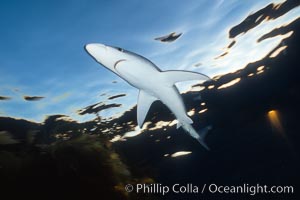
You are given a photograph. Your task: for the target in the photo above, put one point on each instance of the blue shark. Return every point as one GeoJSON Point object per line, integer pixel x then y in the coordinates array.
{"type": "Point", "coordinates": [153, 83]}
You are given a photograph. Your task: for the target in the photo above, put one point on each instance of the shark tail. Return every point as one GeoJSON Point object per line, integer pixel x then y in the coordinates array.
{"type": "Point", "coordinates": [202, 134]}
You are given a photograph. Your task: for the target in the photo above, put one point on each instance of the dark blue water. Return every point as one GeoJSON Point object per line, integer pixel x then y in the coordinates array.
{"type": "Point", "coordinates": [254, 140]}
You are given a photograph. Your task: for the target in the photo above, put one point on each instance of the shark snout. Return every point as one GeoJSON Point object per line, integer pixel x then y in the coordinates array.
{"type": "Point", "coordinates": [93, 48]}
{"type": "Point", "coordinates": [97, 51]}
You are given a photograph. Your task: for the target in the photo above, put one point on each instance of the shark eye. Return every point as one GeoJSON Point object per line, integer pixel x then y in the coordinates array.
{"type": "Point", "coordinates": [120, 49]}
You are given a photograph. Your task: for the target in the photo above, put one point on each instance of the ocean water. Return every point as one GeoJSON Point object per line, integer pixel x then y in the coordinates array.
{"type": "Point", "coordinates": [251, 103]}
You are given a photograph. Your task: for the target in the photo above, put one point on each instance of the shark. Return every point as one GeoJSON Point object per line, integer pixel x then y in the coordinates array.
{"type": "Point", "coordinates": [153, 83]}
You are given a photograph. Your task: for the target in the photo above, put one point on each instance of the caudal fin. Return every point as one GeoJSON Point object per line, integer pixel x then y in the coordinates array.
{"type": "Point", "coordinates": [202, 133]}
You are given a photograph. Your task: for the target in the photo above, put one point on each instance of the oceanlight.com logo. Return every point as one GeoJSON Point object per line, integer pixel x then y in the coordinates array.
{"type": "Point", "coordinates": [250, 189]}
{"type": "Point", "coordinates": [158, 188]}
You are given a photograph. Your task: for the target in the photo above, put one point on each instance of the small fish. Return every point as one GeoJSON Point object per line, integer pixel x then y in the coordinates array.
{"type": "Point", "coordinates": [3, 98]}
{"type": "Point", "coordinates": [169, 38]}
{"type": "Point", "coordinates": [32, 98]}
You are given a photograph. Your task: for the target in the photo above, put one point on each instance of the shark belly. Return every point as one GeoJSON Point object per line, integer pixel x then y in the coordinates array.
{"type": "Point", "coordinates": [150, 80]}
{"type": "Point", "coordinates": [142, 77]}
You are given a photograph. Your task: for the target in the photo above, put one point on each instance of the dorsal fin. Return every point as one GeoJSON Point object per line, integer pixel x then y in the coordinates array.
{"type": "Point", "coordinates": [145, 100]}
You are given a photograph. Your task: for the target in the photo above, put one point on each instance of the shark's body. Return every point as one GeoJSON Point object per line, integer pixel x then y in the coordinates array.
{"type": "Point", "coordinates": [153, 83]}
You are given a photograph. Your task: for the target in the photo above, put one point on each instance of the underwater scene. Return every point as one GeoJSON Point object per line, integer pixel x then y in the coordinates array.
{"type": "Point", "coordinates": [149, 99]}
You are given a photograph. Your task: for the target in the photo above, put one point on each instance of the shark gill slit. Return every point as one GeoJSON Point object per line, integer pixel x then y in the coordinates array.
{"type": "Point", "coordinates": [115, 65]}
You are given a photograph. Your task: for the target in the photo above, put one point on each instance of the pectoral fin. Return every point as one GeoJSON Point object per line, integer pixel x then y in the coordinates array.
{"type": "Point", "coordinates": [144, 102]}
